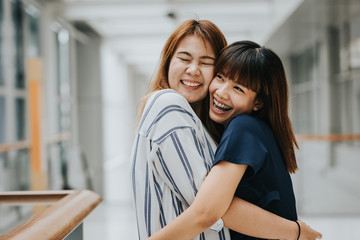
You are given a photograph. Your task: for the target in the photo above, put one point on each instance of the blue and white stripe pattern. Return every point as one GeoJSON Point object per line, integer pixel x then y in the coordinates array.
{"type": "Point", "coordinates": [171, 155]}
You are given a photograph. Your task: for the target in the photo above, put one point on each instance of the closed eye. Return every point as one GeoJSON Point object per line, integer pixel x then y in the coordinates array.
{"type": "Point", "coordinates": [184, 59]}
{"type": "Point", "coordinates": [208, 64]}
{"type": "Point", "coordinates": [218, 76]}
{"type": "Point", "coordinates": [239, 89]}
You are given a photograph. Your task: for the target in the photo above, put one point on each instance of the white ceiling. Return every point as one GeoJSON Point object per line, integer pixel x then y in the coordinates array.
{"type": "Point", "coordinates": [138, 29]}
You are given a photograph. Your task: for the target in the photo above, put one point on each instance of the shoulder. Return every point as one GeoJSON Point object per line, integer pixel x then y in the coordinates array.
{"type": "Point", "coordinates": [242, 128]}
{"type": "Point", "coordinates": [164, 99]}
{"type": "Point", "coordinates": [168, 101]}
{"type": "Point", "coordinates": [167, 97]}
{"type": "Point", "coordinates": [248, 130]}
{"type": "Point", "coordinates": [243, 142]}
{"type": "Point", "coordinates": [166, 110]}
{"type": "Point", "coordinates": [161, 100]}
{"type": "Point", "coordinates": [244, 123]}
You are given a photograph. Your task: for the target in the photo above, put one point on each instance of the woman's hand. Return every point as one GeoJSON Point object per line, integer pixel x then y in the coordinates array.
{"type": "Point", "coordinates": [307, 233]}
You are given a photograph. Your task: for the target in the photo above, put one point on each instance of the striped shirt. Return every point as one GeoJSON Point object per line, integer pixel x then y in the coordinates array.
{"type": "Point", "coordinates": [171, 155]}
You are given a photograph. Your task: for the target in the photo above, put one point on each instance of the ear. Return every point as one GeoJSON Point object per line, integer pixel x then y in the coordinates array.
{"type": "Point", "coordinates": [258, 104]}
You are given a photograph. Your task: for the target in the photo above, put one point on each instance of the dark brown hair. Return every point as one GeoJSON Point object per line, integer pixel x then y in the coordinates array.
{"type": "Point", "coordinates": [207, 31]}
{"type": "Point", "coordinates": [261, 70]}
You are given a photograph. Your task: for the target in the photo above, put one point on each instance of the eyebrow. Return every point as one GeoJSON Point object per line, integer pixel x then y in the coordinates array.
{"type": "Point", "coordinates": [202, 57]}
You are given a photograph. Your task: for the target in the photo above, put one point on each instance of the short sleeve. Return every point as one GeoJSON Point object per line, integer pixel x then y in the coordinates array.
{"type": "Point", "coordinates": [242, 143]}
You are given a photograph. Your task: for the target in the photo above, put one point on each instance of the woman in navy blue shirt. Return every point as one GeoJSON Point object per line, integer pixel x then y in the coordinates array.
{"type": "Point", "coordinates": [266, 181]}
{"type": "Point", "coordinates": [249, 96]}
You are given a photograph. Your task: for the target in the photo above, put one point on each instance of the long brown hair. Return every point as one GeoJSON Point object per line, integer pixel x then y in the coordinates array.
{"type": "Point", "coordinates": [261, 70]}
{"type": "Point", "coordinates": [207, 31]}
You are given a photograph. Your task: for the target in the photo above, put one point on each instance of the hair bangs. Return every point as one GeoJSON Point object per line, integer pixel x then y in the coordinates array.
{"type": "Point", "coordinates": [241, 69]}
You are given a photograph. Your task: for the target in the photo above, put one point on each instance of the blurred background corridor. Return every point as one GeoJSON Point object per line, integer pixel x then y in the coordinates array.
{"type": "Point", "coordinates": [72, 72]}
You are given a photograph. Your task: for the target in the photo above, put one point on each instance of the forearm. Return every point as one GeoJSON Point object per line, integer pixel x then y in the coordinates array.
{"type": "Point", "coordinates": [251, 220]}
{"type": "Point", "coordinates": [193, 221]}
{"type": "Point", "coordinates": [208, 206]}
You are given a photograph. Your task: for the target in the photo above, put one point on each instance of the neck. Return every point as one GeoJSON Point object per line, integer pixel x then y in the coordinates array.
{"type": "Point", "coordinates": [196, 107]}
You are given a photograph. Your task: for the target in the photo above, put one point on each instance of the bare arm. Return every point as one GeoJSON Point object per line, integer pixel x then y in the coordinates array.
{"type": "Point", "coordinates": [212, 201]}
{"type": "Point", "coordinates": [249, 219]}
{"type": "Point", "coordinates": [215, 199]}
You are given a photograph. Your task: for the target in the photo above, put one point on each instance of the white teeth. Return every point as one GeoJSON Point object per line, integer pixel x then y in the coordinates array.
{"type": "Point", "coordinates": [224, 107]}
{"type": "Point", "coordinates": [191, 84]}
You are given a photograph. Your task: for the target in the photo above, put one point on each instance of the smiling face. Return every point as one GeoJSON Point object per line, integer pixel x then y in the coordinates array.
{"type": "Point", "coordinates": [229, 98]}
{"type": "Point", "coordinates": [192, 69]}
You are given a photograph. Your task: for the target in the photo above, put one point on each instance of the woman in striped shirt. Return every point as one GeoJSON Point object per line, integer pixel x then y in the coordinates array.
{"type": "Point", "coordinates": [173, 150]}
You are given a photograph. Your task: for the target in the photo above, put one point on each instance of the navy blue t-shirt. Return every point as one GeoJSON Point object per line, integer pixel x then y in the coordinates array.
{"type": "Point", "coordinates": [266, 182]}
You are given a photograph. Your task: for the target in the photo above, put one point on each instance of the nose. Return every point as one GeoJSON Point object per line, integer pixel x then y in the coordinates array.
{"type": "Point", "coordinates": [223, 91]}
{"type": "Point", "coordinates": [193, 69]}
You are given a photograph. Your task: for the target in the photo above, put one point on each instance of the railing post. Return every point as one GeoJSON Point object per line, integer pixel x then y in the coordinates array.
{"type": "Point", "coordinates": [77, 234]}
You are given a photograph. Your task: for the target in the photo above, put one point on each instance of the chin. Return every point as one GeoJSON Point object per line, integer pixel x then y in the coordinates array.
{"type": "Point", "coordinates": [215, 119]}
{"type": "Point", "coordinates": [192, 100]}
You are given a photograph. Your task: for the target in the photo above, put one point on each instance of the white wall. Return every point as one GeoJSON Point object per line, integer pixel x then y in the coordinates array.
{"type": "Point", "coordinates": [90, 108]}
{"type": "Point", "coordinates": [118, 124]}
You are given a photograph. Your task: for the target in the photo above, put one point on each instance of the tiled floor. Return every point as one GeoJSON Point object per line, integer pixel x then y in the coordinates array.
{"type": "Point", "coordinates": [110, 222]}
{"type": "Point", "coordinates": [336, 228]}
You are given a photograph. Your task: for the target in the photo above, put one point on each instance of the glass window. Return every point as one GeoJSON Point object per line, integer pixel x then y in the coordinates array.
{"type": "Point", "coordinates": [303, 65]}
{"type": "Point", "coordinates": [347, 106]}
{"type": "Point", "coordinates": [302, 114]}
{"type": "Point", "coordinates": [22, 169]}
{"type": "Point", "coordinates": [2, 119]}
{"type": "Point", "coordinates": [65, 116]}
{"type": "Point", "coordinates": [64, 88]}
{"type": "Point", "coordinates": [20, 118]}
{"type": "Point", "coordinates": [63, 62]}
{"type": "Point", "coordinates": [17, 18]}
{"type": "Point", "coordinates": [32, 19]}
{"type": "Point", "coordinates": [342, 106]}
{"type": "Point", "coordinates": [357, 106]}
{"type": "Point", "coordinates": [1, 40]}
{"type": "Point", "coordinates": [355, 42]}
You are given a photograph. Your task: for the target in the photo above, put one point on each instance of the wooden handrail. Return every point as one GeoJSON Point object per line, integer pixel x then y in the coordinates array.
{"type": "Point", "coordinates": [14, 146]}
{"type": "Point", "coordinates": [328, 138]}
{"type": "Point", "coordinates": [58, 220]}
{"type": "Point", "coordinates": [32, 197]}
{"type": "Point", "coordinates": [61, 137]}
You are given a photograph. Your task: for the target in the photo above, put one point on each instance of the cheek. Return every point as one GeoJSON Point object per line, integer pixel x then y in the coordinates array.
{"type": "Point", "coordinates": [171, 73]}
{"type": "Point", "coordinates": [212, 87]}
{"type": "Point", "coordinates": [208, 74]}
